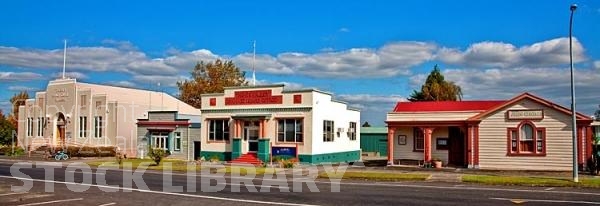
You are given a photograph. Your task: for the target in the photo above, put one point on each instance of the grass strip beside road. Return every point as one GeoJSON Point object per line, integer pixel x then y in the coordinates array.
{"type": "Point", "coordinates": [174, 165]}
{"type": "Point", "coordinates": [378, 176]}
{"type": "Point", "coordinates": [183, 166]}
{"type": "Point", "coordinates": [531, 181]}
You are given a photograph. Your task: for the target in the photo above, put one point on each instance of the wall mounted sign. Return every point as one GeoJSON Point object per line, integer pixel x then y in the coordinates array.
{"type": "Point", "coordinates": [60, 95]}
{"type": "Point", "coordinates": [253, 97]}
{"type": "Point", "coordinates": [525, 114]}
{"type": "Point", "coordinates": [284, 151]}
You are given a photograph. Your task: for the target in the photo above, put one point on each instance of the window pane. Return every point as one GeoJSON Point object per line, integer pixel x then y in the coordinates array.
{"type": "Point", "coordinates": [540, 135]}
{"type": "Point", "coordinates": [280, 137]}
{"type": "Point", "coordinates": [299, 137]}
{"type": "Point", "coordinates": [526, 132]}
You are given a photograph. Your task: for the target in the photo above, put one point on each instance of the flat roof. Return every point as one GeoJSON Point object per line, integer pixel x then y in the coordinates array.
{"type": "Point", "coordinates": [373, 130]}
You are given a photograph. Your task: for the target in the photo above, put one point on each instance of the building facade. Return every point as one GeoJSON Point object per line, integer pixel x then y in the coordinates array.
{"type": "Point", "coordinates": [268, 121]}
{"type": "Point", "coordinates": [373, 141]}
{"type": "Point", "coordinates": [525, 133]}
{"type": "Point", "coordinates": [178, 134]}
{"type": "Point", "coordinates": [71, 113]}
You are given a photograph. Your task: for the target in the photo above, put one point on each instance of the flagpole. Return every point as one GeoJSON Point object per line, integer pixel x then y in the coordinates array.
{"type": "Point", "coordinates": [64, 59]}
{"type": "Point", "coordinates": [253, 64]}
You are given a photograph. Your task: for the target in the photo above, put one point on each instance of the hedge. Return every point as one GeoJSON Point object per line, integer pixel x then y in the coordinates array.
{"type": "Point", "coordinates": [85, 151]}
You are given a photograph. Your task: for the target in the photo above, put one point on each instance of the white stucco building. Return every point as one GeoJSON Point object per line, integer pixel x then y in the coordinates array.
{"type": "Point", "coordinates": [253, 123]}
{"type": "Point", "coordinates": [71, 113]}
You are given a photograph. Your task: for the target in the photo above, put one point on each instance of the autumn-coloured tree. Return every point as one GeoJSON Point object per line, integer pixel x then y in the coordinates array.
{"type": "Point", "coordinates": [437, 89]}
{"type": "Point", "coordinates": [17, 100]}
{"type": "Point", "coordinates": [211, 77]}
{"type": "Point", "coordinates": [6, 129]}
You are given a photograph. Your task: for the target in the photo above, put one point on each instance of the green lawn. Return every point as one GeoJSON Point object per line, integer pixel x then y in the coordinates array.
{"type": "Point", "coordinates": [531, 181]}
{"type": "Point", "coordinates": [379, 176]}
{"type": "Point", "coordinates": [174, 165]}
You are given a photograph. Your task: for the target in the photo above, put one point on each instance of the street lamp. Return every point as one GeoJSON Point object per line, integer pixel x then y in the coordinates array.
{"type": "Point", "coordinates": [575, 163]}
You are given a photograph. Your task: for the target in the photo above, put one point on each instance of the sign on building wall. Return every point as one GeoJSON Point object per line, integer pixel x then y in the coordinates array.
{"type": "Point", "coordinates": [253, 97]}
{"type": "Point", "coordinates": [525, 114]}
{"type": "Point", "coordinates": [286, 152]}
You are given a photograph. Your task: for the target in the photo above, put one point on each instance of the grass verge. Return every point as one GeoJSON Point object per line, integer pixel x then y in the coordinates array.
{"type": "Point", "coordinates": [378, 176]}
{"type": "Point", "coordinates": [530, 181]}
{"type": "Point", "coordinates": [174, 165]}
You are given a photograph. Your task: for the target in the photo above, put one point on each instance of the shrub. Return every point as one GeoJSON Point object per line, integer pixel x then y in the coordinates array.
{"type": "Point", "coordinates": [288, 163]}
{"type": "Point", "coordinates": [214, 158]}
{"type": "Point", "coordinates": [8, 151]}
{"type": "Point", "coordinates": [84, 151]}
{"type": "Point", "coordinates": [156, 154]}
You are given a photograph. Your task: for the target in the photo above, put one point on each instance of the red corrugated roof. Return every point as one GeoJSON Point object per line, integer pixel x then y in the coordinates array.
{"type": "Point", "coordinates": [446, 106]}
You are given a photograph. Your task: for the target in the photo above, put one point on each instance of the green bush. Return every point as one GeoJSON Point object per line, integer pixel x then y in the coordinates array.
{"type": "Point", "coordinates": [8, 151]}
{"type": "Point", "coordinates": [157, 155]}
{"type": "Point", "coordinates": [85, 151]}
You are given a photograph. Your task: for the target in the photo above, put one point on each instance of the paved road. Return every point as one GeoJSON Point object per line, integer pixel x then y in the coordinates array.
{"type": "Point", "coordinates": [351, 193]}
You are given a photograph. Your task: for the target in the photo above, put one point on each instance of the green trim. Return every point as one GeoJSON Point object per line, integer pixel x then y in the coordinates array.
{"type": "Point", "coordinates": [236, 148]}
{"type": "Point", "coordinates": [350, 156]}
{"type": "Point", "coordinates": [263, 149]}
{"type": "Point", "coordinates": [258, 110]}
{"type": "Point", "coordinates": [223, 156]}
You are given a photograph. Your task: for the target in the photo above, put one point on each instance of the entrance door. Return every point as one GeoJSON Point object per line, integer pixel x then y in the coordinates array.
{"type": "Point", "coordinates": [251, 135]}
{"type": "Point", "coordinates": [456, 152]}
{"type": "Point", "coordinates": [196, 150]}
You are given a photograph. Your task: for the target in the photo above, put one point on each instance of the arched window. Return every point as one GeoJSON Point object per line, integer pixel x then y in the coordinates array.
{"type": "Point", "coordinates": [526, 139]}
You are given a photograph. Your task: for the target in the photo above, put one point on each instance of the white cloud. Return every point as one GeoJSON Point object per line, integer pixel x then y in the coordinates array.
{"type": "Point", "coordinates": [344, 30]}
{"type": "Point", "coordinates": [22, 88]}
{"type": "Point", "coordinates": [504, 55]}
{"type": "Point", "coordinates": [19, 76]}
{"type": "Point", "coordinates": [127, 84]}
{"type": "Point", "coordinates": [373, 107]}
{"type": "Point", "coordinates": [154, 80]}
{"type": "Point", "coordinates": [550, 83]}
{"type": "Point", "coordinates": [597, 65]}
{"type": "Point", "coordinates": [75, 75]}
{"type": "Point", "coordinates": [392, 59]}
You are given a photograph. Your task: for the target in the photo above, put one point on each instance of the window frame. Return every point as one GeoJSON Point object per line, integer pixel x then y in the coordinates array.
{"type": "Point", "coordinates": [328, 136]}
{"type": "Point", "coordinates": [536, 140]}
{"type": "Point", "coordinates": [418, 134]}
{"type": "Point", "coordinates": [98, 126]}
{"type": "Point", "coordinates": [225, 129]}
{"type": "Point", "coordinates": [177, 141]}
{"type": "Point", "coordinates": [296, 132]}
{"type": "Point", "coordinates": [352, 131]}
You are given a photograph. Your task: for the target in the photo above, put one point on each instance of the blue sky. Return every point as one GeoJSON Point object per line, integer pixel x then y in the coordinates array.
{"type": "Point", "coordinates": [368, 53]}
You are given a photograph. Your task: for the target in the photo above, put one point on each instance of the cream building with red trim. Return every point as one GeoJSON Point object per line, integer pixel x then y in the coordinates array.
{"type": "Point", "coordinates": [525, 133]}
{"type": "Point", "coordinates": [71, 113]}
{"type": "Point", "coordinates": [253, 123]}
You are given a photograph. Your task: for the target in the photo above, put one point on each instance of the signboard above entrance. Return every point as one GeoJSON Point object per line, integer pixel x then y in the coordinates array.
{"type": "Point", "coordinates": [253, 97]}
{"type": "Point", "coordinates": [525, 114]}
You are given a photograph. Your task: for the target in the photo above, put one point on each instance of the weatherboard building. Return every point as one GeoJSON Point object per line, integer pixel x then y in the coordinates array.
{"type": "Point", "coordinates": [257, 123]}
{"type": "Point", "coordinates": [71, 113]}
{"type": "Point", "coordinates": [526, 132]}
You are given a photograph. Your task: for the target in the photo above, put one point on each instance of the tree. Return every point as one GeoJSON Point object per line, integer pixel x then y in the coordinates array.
{"type": "Point", "coordinates": [437, 89]}
{"type": "Point", "coordinates": [17, 100]}
{"type": "Point", "coordinates": [366, 124]}
{"type": "Point", "coordinates": [6, 129]}
{"type": "Point", "coordinates": [210, 78]}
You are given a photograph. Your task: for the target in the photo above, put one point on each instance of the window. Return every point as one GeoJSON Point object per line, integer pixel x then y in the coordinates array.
{"type": "Point", "coordinates": [290, 130]}
{"type": "Point", "coordinates": [83, 126]}
{"type": "Point", "coordinates": [352, 131]}
{"type": "Point", "coordinates": [40, 126]}
{"type": "Point", "coordinates": [29, 126]}
{"type": "Point", "coordinates": [177, 141]}
{"type": "Point", "coordinates": [160, 140]}
{"type": "Point", "coordinates": [526, 139]}
{"type": "Point", "coordinates": [328, 133]}
{"type": "Point", "coordinates": [419, 139]}
{"type": "Point", "coordinates": [218, 130]}
{"type": "Point", "coordinates": [98, 126]}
